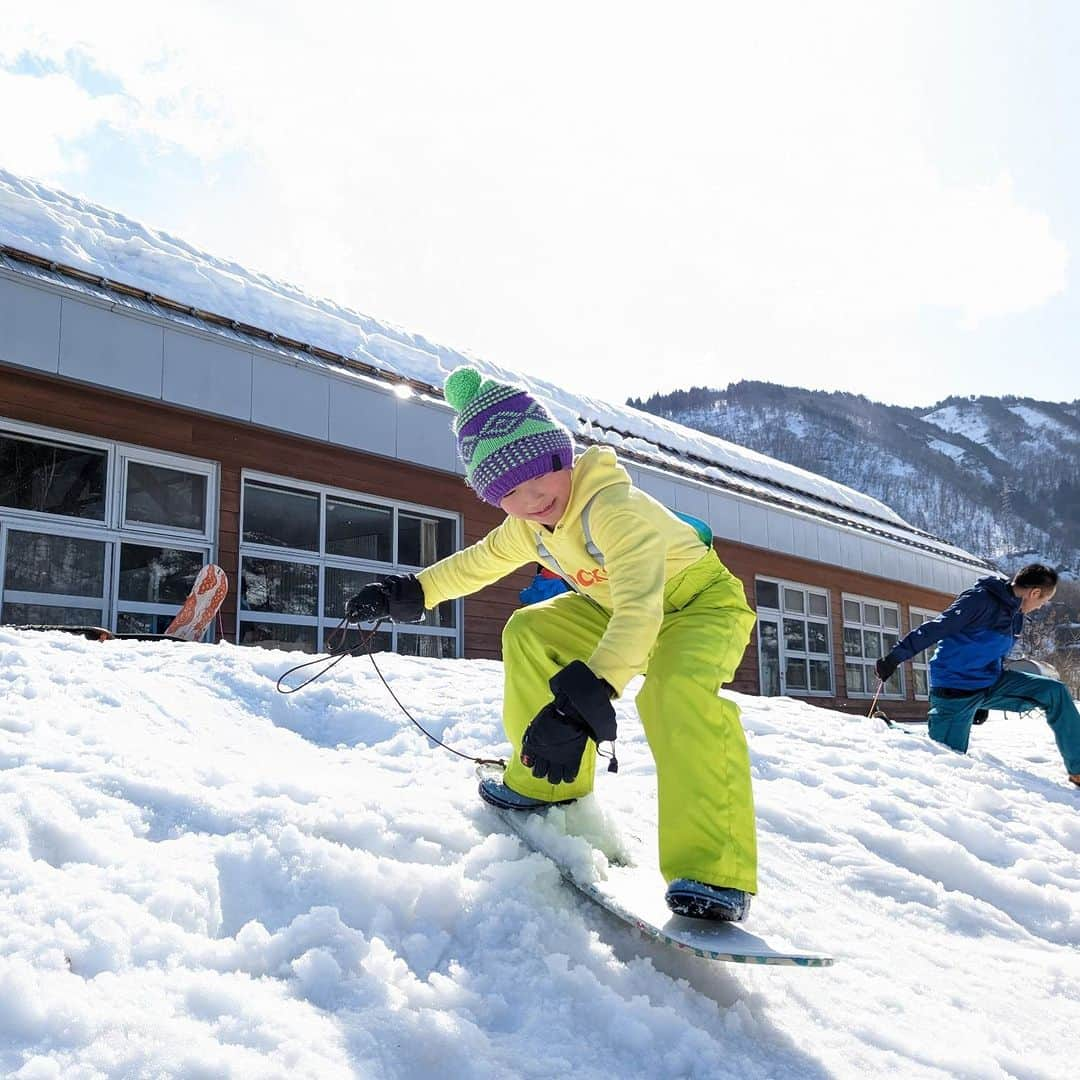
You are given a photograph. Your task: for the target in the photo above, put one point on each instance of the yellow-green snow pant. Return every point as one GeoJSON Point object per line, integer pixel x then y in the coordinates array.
{"type": "Point", "coordinates": [706, 821]}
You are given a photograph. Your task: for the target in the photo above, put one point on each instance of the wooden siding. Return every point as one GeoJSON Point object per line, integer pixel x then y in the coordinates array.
{"type": "Point", "coordinates": [235, 446]}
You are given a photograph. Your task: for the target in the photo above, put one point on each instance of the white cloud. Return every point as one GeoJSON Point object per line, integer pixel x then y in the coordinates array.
{"type": "Point", "coordinates": [566, 187]}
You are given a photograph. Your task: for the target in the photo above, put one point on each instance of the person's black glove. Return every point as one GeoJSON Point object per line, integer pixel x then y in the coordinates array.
{"type": "Point", "coordinates": [980, 716]}
{"type": "Point", "coordinates": [555, 740]}
{"type": "Point", "coordinates": [399, 597]}
{"type": "Point", "coordinates": [885, 667]}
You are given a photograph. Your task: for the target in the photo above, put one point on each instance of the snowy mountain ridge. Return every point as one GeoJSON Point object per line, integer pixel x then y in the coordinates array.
{"type": "Point", "coordinates": [204, 877]}
{"type": "Point", "coordinates": [997, 476]}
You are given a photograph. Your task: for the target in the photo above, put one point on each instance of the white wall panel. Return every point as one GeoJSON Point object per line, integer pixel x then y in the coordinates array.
{"type": "Point", "coordinates": [871, 555]}
{"type": "Point", "coordinates": [290, 398]}
{"type": "Point", "coordinates": [111, 349]}
{"type": "Point", "coordinates": [753, 524]}
{"type": "Point", "coordinates": [29, 326]}
{"type": "Point", "coordinates": [890, 561]}
{"type": "Point", "coordinates": [806, 538]}
{"type": "Point", "coordinates": [661, 488]}
{"type": "Point", "coordinates": [723, 516]}
{"type": "Point", "coordinates": [424, 435]}
{"type": "Point", "coordinates": [781, 531]}
{"type": "Point", "coordinates": [693, 500]}
{"type": "Point", "coordinates": [207, 375]}
{"type": "Point", "coordinates": [942, 577]}
{"type": "Point", "coordinates": [828, 541]}
{"type": "Point", "coordinates": [363, 417]}
{"type": "Point", "coordinates": [850, 550]}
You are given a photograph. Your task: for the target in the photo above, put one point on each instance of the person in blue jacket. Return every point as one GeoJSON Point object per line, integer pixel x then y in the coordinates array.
{"type": "Point", "coordinates": [973, 635]}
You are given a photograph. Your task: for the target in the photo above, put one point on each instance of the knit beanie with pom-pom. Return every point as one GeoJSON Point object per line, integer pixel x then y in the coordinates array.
{"type": "Point", "coordinates": [505, 436]}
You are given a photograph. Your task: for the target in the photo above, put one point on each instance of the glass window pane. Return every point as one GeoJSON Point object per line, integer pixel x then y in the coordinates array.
{"type": "Point", "coordinates": [853, 674]}
{"type": "Point", "coordinates": [820, 675]}
{"type": "Point", "coordinates": [160, 496]}
{"type": "Point", "coordinates": [280, 517]}
{"type": "Point", "coordinates": [136, 622]}
{"type": "Point", "coordinates": [871, 614]}
{"type": "Point", "coordinates": [871, 644]}
{"type": "Point", "coordinates": [52, 478]}
{"type": "Point", "coordinates": [50, 615]}
{"type": "Point", "coordinates": [359, 531]}
{"type": "Point", "coordinates": [852, 641]}
{"type": "Point", "coordinates": [355, 638]}
{"type": "Point", "coordinates": [423, 540]}
{"type": "Point", "coordinates": [157, 575]}
{"type": "Point", "coordinates": [340, 585]}
{"type": "Point", "coordinates": [794, 600]}
{"type": "Point", "coordinates": [888, 640]}
{"type": "Point", "coordinates": [284, 588]}
{"type": "Point", "coordinates": [286, 636]}
{"type": "Point", "coordinates": [769, 657]}
{"type": "Point", "coordinates": [60, 565]}
{"type": "Point", "coordinates": [426, 645]}
{"type": "Point", "coordinates": [817, 638]}
{"type": "Point", "coordinates": [894, 685]}
{"type": "Point", "coordinates": [767, 594]}
{"type": "Point", "coordinates": [922, 686]}
{"type": "Point", "coordinates": [819, 604]}
{"type": "Point", "coordinates": [795, 675]}
{"type": "Point", "coordinates": [891, 618]}
{"type": "Point", "coordinates": [852, 611]}
{"type": "Point", "coordinates": [795, 635]}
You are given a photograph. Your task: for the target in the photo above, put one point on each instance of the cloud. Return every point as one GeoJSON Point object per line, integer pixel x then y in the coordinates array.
{"type": "Point", "coordinates": [570, 185]}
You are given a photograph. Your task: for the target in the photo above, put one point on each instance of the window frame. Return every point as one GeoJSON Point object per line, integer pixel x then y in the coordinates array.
{"type": "Point", "coordinates": [920, 662]}
{"type": "Point", "coordinates": [112, 530]}
{"type": "Point", "coordinates": [778, 615]}
{"type": "Point", "coordinates": [880, 628]}
{"type": "Point", "coordinates": [325, 624]}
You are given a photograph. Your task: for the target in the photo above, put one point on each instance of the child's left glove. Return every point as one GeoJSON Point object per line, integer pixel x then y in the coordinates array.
{"type": "Point", "coordinates": [555, 740]}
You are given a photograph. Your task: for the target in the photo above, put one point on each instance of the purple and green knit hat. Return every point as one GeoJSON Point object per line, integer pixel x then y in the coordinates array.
{"type": "Point", "coordinates": [505, 436]}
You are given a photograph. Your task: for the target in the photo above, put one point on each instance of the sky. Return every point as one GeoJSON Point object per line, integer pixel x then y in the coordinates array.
{"type": "Point", "coordinates": [205, 878]}
{"type": "Point", "coordinates": [620, 198]}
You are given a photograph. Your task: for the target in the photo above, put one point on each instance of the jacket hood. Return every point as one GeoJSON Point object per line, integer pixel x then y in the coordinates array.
{"type": "Point", "coordinates": [596, 469]}
{"type": "Point", "coordinates": [1001, 589]}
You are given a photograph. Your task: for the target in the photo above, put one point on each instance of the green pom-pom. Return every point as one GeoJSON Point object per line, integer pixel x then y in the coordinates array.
{"type": "Point", "coordinates": [461, 386]}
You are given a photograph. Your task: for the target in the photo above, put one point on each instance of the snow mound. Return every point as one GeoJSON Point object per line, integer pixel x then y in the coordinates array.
{"type": "Point", "coordinates": [203, 877]}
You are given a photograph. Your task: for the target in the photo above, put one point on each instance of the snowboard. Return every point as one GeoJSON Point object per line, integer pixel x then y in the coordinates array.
{"type": "Point", "coordinates": [633, 890]}
{"type": "Point", "coordinates": [201, 606]}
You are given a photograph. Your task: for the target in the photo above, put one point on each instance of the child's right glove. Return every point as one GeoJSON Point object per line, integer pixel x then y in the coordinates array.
{"type": "Point", "coordinates": [398, 596]}
{"type": "Point", "coordinates": [555, 740]}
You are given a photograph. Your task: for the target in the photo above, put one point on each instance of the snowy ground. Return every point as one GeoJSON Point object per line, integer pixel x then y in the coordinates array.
{"type": "Point", "coordinates": [204, 878]}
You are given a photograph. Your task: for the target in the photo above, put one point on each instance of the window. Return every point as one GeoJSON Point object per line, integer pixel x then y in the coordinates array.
{"type": "Point", "coordinates": [794, 654]}
{"type": "Point", "coordinates": [99, 533]}
{"type": "Point", "coordinates": [871, 629]}
{"type": "Point", "coordinates": [305, 550]}
{"type": "Point", "coordinates": [920, 671]}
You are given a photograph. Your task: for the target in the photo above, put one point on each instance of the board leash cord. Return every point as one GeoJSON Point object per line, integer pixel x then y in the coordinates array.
{"type": "Point", "coordinates": [338, 652]}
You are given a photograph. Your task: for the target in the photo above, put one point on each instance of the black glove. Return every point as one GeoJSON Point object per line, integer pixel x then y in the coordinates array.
{"type": "Point", "coordinates": [555, 740]}
{"type": "Point", "coordinates": [399, 597]}
{"type": "Point", "coordinates": [981, 716]}
{"type": "Point", "coordinates": [885, 667]}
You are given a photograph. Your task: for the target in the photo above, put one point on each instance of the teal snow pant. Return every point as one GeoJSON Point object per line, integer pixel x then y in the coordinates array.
{"type": "Point", "coordinates": [706, 807]}
{"type": "Point", "coordinates": [1015, 691]}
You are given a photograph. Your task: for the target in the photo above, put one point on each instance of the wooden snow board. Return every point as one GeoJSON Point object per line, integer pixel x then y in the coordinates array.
{"type": "Point", "coordinates": [635, 894]}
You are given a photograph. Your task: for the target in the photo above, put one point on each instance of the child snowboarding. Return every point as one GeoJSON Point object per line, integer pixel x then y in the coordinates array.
{"type": "Point", "coordinates": [967, 674]}
{"type": "Point", "coordinates": [648, 595]}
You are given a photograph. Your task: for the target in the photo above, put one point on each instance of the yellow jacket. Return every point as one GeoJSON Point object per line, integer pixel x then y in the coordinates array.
{"type": "Point", "coordinates": [644, 546]}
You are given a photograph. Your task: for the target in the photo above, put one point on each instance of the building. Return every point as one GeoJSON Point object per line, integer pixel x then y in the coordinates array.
{"type": "Point", "coordinates": [160, 409]}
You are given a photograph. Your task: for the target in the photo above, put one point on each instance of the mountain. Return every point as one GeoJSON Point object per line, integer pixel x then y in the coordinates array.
{"type": "Point", "coordinates": [998, 476]}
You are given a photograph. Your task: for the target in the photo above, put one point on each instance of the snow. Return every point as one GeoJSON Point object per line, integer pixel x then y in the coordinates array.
{"type": "Point", "coordinates": [203, 877]}
{"type": "Point", "coordinates": [77, 233]}
{"type": "Point", "coordinates": [967, 421]}
{"type": "Point", "coordinates": [1038, 420]}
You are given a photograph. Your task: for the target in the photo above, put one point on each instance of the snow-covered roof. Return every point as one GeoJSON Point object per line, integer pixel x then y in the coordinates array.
{"type": "Point", "coordinates": [106, 252]}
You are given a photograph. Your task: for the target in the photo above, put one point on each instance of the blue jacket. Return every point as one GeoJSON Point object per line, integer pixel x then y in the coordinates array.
{"type": "Point", "coordinates": [973, 634]}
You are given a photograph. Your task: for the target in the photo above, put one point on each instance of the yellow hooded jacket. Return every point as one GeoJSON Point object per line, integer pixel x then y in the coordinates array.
{"type": "Point", "coordinates": [644, 546]}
